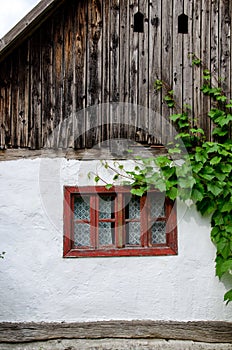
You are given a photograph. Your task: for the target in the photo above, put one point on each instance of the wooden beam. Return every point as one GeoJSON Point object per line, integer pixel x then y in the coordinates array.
{"type": "Point", "coordinates": [202, 331]}
{"type": "Point", "coordinates": [82, 154]}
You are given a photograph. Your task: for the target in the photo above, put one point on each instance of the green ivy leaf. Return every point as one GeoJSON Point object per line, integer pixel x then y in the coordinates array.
{"type": "Point", "coordinates": [197, 195]}
{"type": "Point", "coordinates": [200, 157]}
{"type": "Point", "coordinates": [175, 117]}
{"type": "Point", "coordinates": [186, 182]}
{"type": "Point", "coordinates": [97, 178]}
{"type": "Point", "coordinates": [226, 168]}
{"type": "Point", "coordinates": [197, 131]}
{"type": "Point", "coordinates": [138, 191]}
{"type": "Point", "coordinates": [162, 161]}
{"type": "Point", "coordinates": [161, 185]}
{"type": "Point", "coordinates": [220, 176]}
{"type": "Point", "coordinates": [220, 132]}
{"type": "Point", "coordinates": [215, 160]}
{"type": "Point", "coordinates": [221, 98]}
{"type": "Point", "coordinates": [172, 193]}
{"type": "Point", "coordinates": [228, 296]}
{"type": "Point", "coordinates": [216, 190]}
{"type": "Point", "coordinates": [196, 167]}
{"type": "Point", "coordinates": [206, 206]}
{"type": "Point", "coordinates": [108, 186]}
{"type": "Point", "coordinates": [223, 266]}
{"type": "Point", "coordinates": [227, 207]}
{"type": "Point", "coordinates": [207, 177]}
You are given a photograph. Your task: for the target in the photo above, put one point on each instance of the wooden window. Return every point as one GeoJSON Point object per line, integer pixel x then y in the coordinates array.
{"type": "Point", "coordinates": [100, 222]}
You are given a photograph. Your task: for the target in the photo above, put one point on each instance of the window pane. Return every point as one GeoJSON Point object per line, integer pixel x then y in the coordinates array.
{"type": "Point", "coordinates": [106, 233]}
{"type": "Point", "coordinates": [157, 205]}
{"type": "Point", "coordinates": [133, 210]}
{"type": "Point", "coordinates": [133, 233]}
{"type": "Point", "coordinates": [158, 232]}
{"type": "Point", "coordinates": [133, 228]}
{"type": "Point", "coordinates": [106, 207]}
{"type": "Point", "coordinates": [82, 207]}
{"type": "Point", "coordinates": [82, 235]}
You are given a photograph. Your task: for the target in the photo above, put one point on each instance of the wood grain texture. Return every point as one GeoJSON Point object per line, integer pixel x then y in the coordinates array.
{"type": "Point", "coordinates": [84, 53]}
{"type": "Point", "coordinates": [211, 332]}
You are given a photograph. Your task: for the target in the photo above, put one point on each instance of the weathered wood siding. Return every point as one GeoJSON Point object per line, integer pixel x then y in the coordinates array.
{"type": "Point", "coordinates": [88, 53]}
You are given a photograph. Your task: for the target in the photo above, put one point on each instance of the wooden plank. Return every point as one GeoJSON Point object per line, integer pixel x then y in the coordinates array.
{"type": "Point", "coordinates": [47, 82]}
{"type": "Point", "coordinates": [197, 52]}
{"type": "Point", "coordinates": [167, 61]}
{"type": "Point", "coordinates": [205, 55]}
{"type": "Point", "coordinates": [8, 81]}
{"type": "Point", "coordinates": [143, 78]}
{"type": "Point", "coordinates": [225, 45]}
{"type": "Point", "coordinates": [179, 51]}
{"type": "Point", "coordinates": [22, 64]}
{"type": "Point", "coordinates": [80, 73]}
{"type": "Point", "coordinates": [3, 105]}
{"type": "Point", "coordinates": [202, 331]}
{"type": "Point", "coordinates": [155, 62]}
{"type": "Point", "coordinates": [187, 62]}
{"type": "Point", "coordinates": [27, 109]}
{"type": "Point", "coordinates": [134, 74]}
{"type": "Point", "coordinates": [66, 127]}
{"type": "Point", "coordinates": [14, 112]}
{"type": "Point", "coordinates": [2, 117]}
{"type": "Point", "coordinates": [58, 85]}
{"type": "Point", "coordinates": [114, 50]}
{"type": "Point", "coordinates": [105, 78]}
{"type": "Point", "coordinates": [114, 68]}
{"type": "Point", "coordinates": [214, 50]}
{"type": "Point", "coordinates": [124, 52]}
{"type": "Point", "coordinates": [93, 69]}
{"type": "Point", "coordinates": [124, 65]}
{"type": "Point", "coordinates": [35, 98]}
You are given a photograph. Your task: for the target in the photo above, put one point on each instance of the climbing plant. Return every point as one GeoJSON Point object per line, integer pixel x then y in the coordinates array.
{"type": "Point", "coordinates": [204, 174]}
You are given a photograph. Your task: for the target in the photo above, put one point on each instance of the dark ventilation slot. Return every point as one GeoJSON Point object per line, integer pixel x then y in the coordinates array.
{"type": "Point", "coordinates": [138, 23]}
{"type": "Point", "coordinates": [183, 24]}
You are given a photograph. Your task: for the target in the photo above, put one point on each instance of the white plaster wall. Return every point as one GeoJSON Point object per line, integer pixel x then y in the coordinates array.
{"type": "Point", "coordinates": [37, 284]}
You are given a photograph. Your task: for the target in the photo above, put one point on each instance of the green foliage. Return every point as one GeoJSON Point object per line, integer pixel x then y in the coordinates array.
{"type": "Point", "coordinates": [204, 175]}
{"type": "Point", "coordinates": [195, 60]}
{"type": "Point", "coordinates": [204, 172]}
{"type": "Point", "coordinates": [169, 99]}
{"type": "Point", "coordinates": [2, 255]}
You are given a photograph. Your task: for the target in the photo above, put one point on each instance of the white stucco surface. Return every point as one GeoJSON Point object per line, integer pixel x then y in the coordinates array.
{"type": "Point", "coordinates": [37, 284]}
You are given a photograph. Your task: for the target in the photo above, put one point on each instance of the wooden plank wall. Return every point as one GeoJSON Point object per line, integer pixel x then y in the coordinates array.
{"type": "Point", "coordinates": [88, 53]}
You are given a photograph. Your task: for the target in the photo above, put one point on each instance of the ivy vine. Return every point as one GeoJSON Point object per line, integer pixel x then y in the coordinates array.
{"type": "Point", "coordinates": [205, 173]}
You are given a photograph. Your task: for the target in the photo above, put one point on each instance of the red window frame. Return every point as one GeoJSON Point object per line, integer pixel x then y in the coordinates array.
{"type": "Point", "coordinates": [119, 248]}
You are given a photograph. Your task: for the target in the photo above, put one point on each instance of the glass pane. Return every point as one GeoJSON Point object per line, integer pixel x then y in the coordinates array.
{"type": "Point", "coordinates": [106, 207]}
{"type": "Point", "coordinates": [82, 207]}
{"type": "Point", "coordinates": [158, 232]}
{"type": "Point", "coordinates": [157, 205]}
{"type": "Point", "coordinates": [106, 233]}
{"type": "Point", "coordinates": [133, 233]}
{"type": "Point", "coordinates": [133, 208]}
{"type": "Point", "coordinates": [132, 211]}
{"type": "Point", "coordinates": [82, 235]}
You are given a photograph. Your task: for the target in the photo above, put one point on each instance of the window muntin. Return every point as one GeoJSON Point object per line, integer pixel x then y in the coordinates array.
{"type": "Point", "coordinates": [100, 222]}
